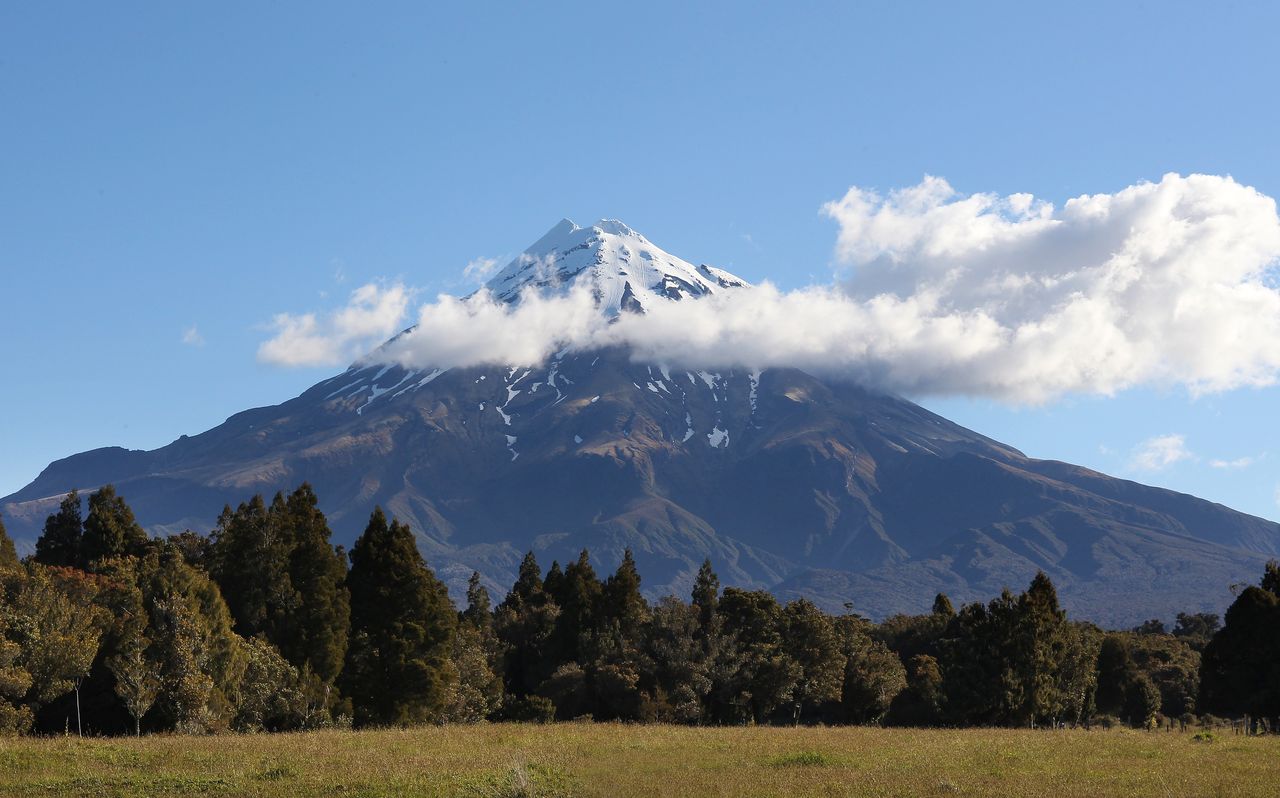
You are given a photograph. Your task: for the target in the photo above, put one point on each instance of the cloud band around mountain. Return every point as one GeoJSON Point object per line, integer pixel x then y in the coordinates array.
{"type": "Point", "coordinates": [938, 293]}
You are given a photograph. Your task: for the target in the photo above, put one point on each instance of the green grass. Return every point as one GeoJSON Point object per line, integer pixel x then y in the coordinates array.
{"type": "Point", "coordinates": [619, 761]}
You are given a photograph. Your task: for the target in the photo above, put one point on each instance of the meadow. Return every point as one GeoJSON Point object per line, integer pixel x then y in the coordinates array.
{"type": "Point", "coordinates": [633, 760]}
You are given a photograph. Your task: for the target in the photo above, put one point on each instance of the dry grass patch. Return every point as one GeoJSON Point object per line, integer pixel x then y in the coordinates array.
{"type": "Point", "coordinates": [619, 761]}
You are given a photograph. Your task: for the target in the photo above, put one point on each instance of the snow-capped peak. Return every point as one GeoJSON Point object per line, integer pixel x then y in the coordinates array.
{"type": "Point", "coordinates": [623, 269]}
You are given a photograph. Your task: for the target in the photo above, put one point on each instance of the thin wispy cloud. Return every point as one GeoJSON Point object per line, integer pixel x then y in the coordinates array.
{"type": "Point", "coordinates": [192, 337]}
{"type": "Point", "coordinates": [1159, 453]}
{"type": "Point", "coordinates": [1236, 464]}
{"type": "Point", "coordinates": [480, 269]}
{"type": "Point", "coordinates": [941, 293]}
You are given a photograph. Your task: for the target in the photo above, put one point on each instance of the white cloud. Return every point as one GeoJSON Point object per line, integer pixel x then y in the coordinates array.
{"type": "Point", "coordinates": [192, 337]}
{"type": "Point", "coordinates": [1167, 283]}
{"type": "Point", "coordinates": [479, 270]}
{"type": "Point", "coordinates": [372, 314]}
{"type": "Point", "coordinates": [1236, 464]}
{"type": "Point", "coordinates": [1160, 452]}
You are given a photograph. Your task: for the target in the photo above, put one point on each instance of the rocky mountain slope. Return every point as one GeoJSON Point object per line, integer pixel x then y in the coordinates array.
{"type": "Point", "coordinates": [802, 485]}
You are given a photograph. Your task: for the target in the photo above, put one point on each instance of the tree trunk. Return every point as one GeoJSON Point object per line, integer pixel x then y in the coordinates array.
{"type": "Point", "coordinates": [79, 728]}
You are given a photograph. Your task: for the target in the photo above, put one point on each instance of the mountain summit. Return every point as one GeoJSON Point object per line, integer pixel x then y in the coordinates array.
{"type": "Point", "coordinates": [787, 481]}
{"type": "Point", "coordinates": [622, 269]}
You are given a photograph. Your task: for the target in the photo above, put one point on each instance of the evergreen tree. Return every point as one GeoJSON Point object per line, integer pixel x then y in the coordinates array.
{"type": "Point", "coordinates": [577, 594]}
{"type": "Point", "coordinates": [1240, 668]}
{"type": "Point", "coordinates": [810, 639]}
{"type": "Point", "coordinates": [614, 660]}
{"type": "Point", "coordinates": [873, 675]}
{"type": "Point", "coordinates": [8, 554]}
{"type": "Point", "coordinates": [620, 600]}
{"type": "Point", "coordinates": [61, 541]}
{"type": "Point", "coordinates": [942, 606]}
{"type": "Point", "coordinates": [680, 661]}
{"type": "Point", "coordinates": [1115, 672]}
{"type": "Point", "coordinates": [398, 665]}
{"type": "Point", "coordinates": [110, 529]}
{"type": "Point", "coordinates": [524, 623]}
{"type": "Point", "coordinates": [315, 635]}
{"type": "Point", "coordinates": [1043, 638]}
{"type": "Point", "coordinates": [706, 594]}
{"type": "Point", "coordinates": [285, 581]}
{"type": "Point", "coordinates": [763, 678]}
{"type": "Point", "coordinates": [249, 559]}
{"type": "Point", "coordinates": [478, 613]}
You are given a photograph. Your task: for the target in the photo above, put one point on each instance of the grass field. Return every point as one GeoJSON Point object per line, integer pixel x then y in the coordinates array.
{"type": "Point", "coordinates": [619, 761]}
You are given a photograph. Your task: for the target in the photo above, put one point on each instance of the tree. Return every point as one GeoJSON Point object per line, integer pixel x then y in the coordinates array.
{"type": "Point", "coordinates": [284, 580]}
{"type": "Point", "coordinates": [1197, 629]}
{"type": "Point", "coordinates": [58, 638]}
{"type": "Point", "coordinates": [110, 529]}
{"type": "Point", "coordinates": [680, 660]}
{"type": "Point", "coordinates": [706, 594]}
{"type": "Point", "coordinates": [1115, 672]}
{"type": "Point", "coordinates": [477, 692]}
{"type": "Point", "coordinates": [249, 560]}
{"type": "Point", "coordinates": [920, 704]}
{"type": "Point", "coordinates": [270, 695]}
{"type": "Point", "coordinates": [873, 675]}
{"type": "Point", "coordinates": [1044, 637]}
{"type": "Point", "coordinates": [478, 614]}
{"type": "Point", "coordinates": [577, 593]}
{"type": "Point", "coordinates": [398, 665]}
{"type": "Point", "coordinates": [137, 682]}
{"type": "Point", "coordinates": [611, 649]}
{"type": "Point", "coordinates": [1240, 668]}
{"type": "Point", "coordinates": [315, 635]}
{"type": "Point", "coordinates": [188, 688]}
{"type": "Point", "coordinates": [1142, 702]}
{"type": "Point", "coordinates": [811, 641]}
{"type": "Point", "coordinates": [60, 542]}
{"type": "Point", "coordinates": [8, 554]}
{"type": "Point", "coordinates": [762, 678]}
{"type": "Point", "coordinates": [524, 623]}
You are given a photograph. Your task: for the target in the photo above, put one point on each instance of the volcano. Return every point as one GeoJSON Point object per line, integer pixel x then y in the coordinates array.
{"type": "Point", "coordinates": [802, 484]}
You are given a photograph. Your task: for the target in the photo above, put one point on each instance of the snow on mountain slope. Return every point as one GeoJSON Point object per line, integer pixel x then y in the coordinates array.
{"type": "Point", "coordinates": [623, 269]}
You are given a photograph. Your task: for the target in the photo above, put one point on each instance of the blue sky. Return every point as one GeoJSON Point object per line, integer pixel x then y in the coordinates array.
{"type": "Point", "coordinates": [165, 168]}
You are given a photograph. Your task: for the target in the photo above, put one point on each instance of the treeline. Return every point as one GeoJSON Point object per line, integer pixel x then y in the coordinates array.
{"type": "Point", "coordinates": [264, 625]}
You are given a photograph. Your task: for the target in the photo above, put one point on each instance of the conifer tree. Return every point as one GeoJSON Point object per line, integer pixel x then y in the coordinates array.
{"type": "Point", "coordinates": [478, 613]}
{"type": "Point", "coordinates": [110, 530]}
{"type": "Point", "coordinates": [61, 541]}
{"type": "Point", "coordinates": [706, 594]}
{"type": "Point", "coordinates": [398, 665]}
{"type": "Point", "coordinates": [620, 600]}
{"type": "Point", "coordinates": [315, 635]}
{"type": "Point", "coordinates": [284, 580]}
{"type": "Point", "coordinates": [1240, 668]}
{"type": "Point", "coordinates": [524, 623]}
{"type": "Point", "coordinates": [249, 561]}
{"type": "Point", "coordinates": [577, 595]}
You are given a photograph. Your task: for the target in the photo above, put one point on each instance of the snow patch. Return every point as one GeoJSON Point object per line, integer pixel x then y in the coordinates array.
{"type": "Point", "coordinates": [718, 438]}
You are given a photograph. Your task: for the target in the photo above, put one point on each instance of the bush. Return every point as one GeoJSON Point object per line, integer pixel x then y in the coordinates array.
{"type": "Point", "coordinates": [530, 709]}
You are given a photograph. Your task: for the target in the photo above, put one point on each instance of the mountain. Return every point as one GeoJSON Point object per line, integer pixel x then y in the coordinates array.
{"type": "Point", "coordinates": [803, 485]}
